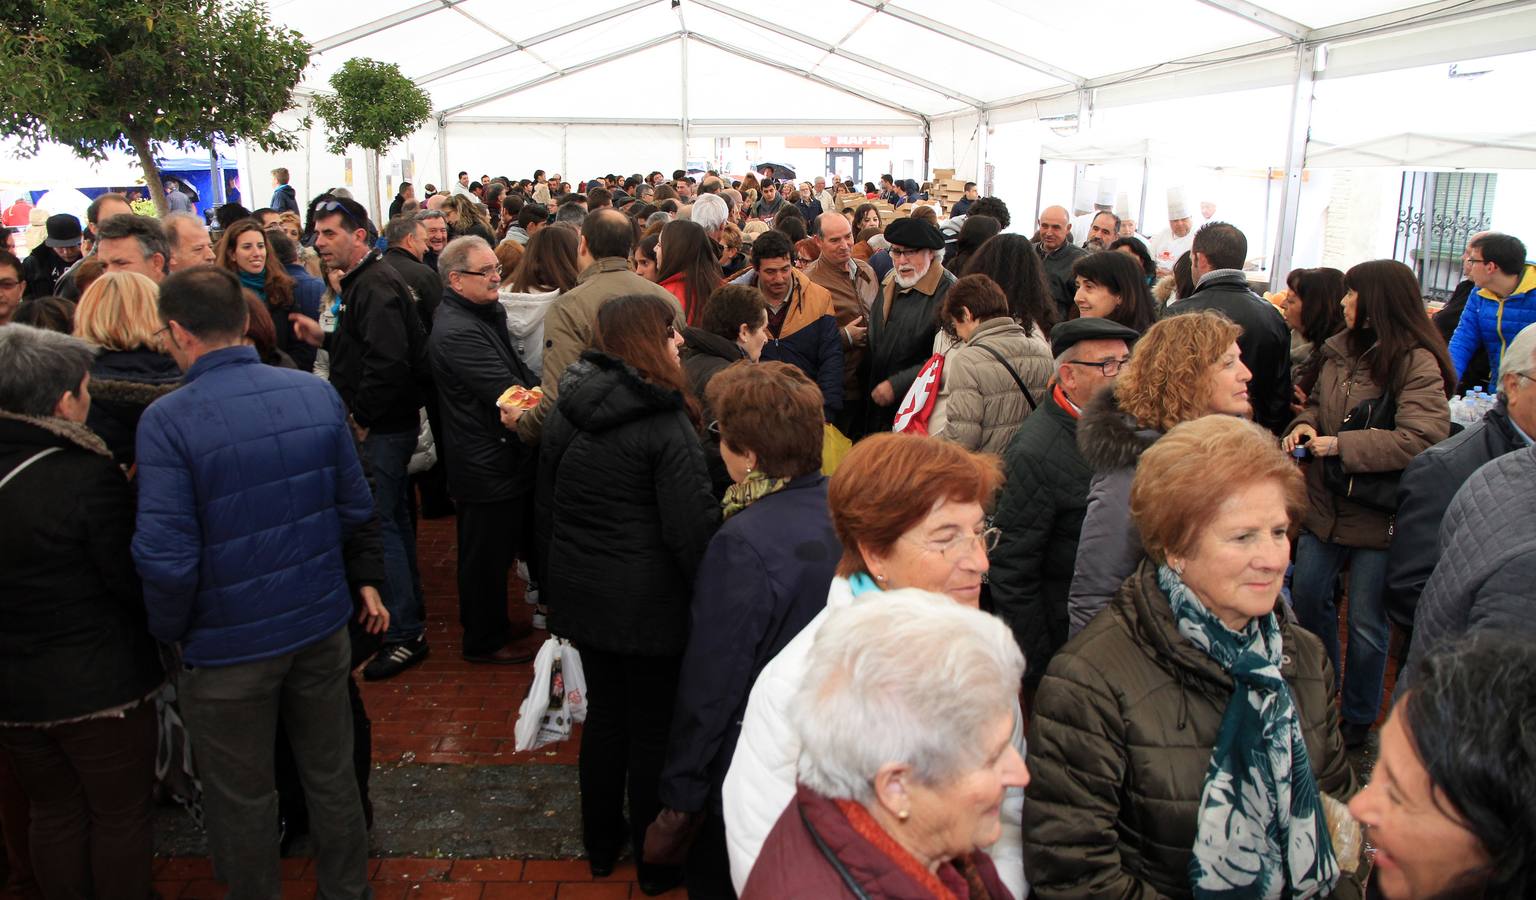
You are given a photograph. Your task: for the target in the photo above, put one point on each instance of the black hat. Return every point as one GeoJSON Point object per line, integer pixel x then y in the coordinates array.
{"type": "Point", "coordinates": [914, 234]}
{"type": "Point", "coordinates": [1068, 334]}
{"type": "Point", "coordinates": [63, 231]}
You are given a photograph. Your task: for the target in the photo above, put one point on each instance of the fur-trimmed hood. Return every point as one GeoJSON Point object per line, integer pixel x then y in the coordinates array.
{"type": "Point", "coordinates": [59, 432]}
{"type": "Point", "coordinates": [129, 393]}
{"type": "Point", "coordinates": [1109, 438]}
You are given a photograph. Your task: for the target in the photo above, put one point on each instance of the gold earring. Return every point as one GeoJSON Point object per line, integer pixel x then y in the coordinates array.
{"type": "Point", "coordinates": [904, 814]}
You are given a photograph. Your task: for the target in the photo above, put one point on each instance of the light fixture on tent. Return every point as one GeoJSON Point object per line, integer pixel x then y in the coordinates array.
{"type": "Point", "coordinates": [1063, 126]}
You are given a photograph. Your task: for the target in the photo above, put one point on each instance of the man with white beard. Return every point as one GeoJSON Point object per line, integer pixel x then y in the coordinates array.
{"type": "Point", "coordinates": [904, 317]}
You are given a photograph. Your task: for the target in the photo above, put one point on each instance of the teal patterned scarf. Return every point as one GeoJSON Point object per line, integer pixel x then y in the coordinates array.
{"type": "Point", "coordinates": [1262, 831]}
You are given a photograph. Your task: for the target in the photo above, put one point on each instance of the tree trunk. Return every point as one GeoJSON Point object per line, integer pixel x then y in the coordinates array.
{"type": "Point", "coordinates": [140, 143]}
{"type": "Point", "coordinates": [375, 210]}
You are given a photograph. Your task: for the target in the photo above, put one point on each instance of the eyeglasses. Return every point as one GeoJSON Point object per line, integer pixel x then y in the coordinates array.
{"type": "Point", "coordinates": [1110, 367]}
{"type": "Point", "coordinates": [713, 427]}
{"type": "Point", "coordinates": [9, 284]}
{"type": "Point", "coordinates": [898, 252]}
{"type": "Point", "coordinates": [1471, 261]}
{"type": "Point", "coordinates": [955, 549]}
{"type": "Point", "coordinates": [487, 272]}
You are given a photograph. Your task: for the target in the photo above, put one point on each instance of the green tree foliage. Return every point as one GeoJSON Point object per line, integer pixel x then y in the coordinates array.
{"type": "Point", "coordinates": [99, 75]}
{"type": "Point", "coordinates": [374, 106]}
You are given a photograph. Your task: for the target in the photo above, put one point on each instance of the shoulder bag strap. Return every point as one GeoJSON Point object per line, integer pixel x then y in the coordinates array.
{"type": "Point", "coordinates": [837, 864]}
{"type": "Point", "coordinates": [27, 462]}
{"type": "Point", "coordinates": [1028, 397]}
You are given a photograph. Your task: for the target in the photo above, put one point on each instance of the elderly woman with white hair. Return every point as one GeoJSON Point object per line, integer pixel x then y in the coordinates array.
{"type": "Point", "coordinates": [905, 717]}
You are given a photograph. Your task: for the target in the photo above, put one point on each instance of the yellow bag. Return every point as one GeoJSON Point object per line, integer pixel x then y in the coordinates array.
{"type": "Point", "coordinates": [834, 446]}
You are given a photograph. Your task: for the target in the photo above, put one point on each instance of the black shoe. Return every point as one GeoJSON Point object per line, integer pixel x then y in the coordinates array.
{"type": "Point", "coordinates": [600, 868]}
{"type": "Point", "coordinates": [1355, 734]}
{"type": "Point", "coordinates": [510, 655]}
{"type": "Point", "coordinates": [392, 659]}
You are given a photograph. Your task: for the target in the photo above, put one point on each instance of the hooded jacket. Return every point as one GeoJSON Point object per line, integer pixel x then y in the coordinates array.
{"type": "Point", "coordinates": [1121, 738]}
{"type": "Point", "coordinates": [1428, 485]}
{"type": "Point", "coordinates": [1040, 513]}
{"type": "Point", "coordinates": [571, 323]}
{"type": "Point", "coordinates": [76, 638]}
{"type": "Point", "coordinates": [624, 510]}
{"type": "Point", "coordinates": [1109, 547]}
{"type": "Point", "coordinates": [472, 364]}
{"type": "Point", "coordinates": [123, 384]}
{"type": "Point", "coordinates": [1265, 342]}
{"type": "Point", "coordinates": [902, 324]}
{"type": "Point", "coordinates": [525, 325]}
{"type": "Point", "coordinates": [983, 403]}
{"type": "Point", "coordinates": [1423, 417]}
{"type": "Point", "coordinates": [1489, 323]}
{"type": "Point", "coordinates": [809, 339]}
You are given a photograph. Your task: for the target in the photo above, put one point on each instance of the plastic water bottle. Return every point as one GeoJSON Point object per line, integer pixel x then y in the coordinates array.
{"type": "Point", "coordinates": [1458, 411]}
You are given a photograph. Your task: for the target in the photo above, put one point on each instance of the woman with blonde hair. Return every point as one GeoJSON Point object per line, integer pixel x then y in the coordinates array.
{"type": "Point", "coordinates": [465, 216]}
{"type": "Point", "coordinates": [120, 313]}
{"type": "Point", "coordinates": [1183, 368]}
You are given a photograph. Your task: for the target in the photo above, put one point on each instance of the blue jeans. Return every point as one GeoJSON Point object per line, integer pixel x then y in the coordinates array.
{"type": "Point", "coordinates": [1315, 600]}
{"type": "Point", "coordinates": [389, 455]}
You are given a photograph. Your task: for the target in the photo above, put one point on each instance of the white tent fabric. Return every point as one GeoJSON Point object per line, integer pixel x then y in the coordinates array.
{"type": "Point", "coordinates": [1430, 151]}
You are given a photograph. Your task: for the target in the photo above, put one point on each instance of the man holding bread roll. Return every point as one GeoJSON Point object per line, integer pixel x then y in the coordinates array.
{"type": "Point", "coordinates": [490, 471]}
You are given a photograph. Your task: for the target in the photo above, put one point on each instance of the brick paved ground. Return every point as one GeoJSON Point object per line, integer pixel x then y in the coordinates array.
{"type": "Point", "coordinates": [450, 713]}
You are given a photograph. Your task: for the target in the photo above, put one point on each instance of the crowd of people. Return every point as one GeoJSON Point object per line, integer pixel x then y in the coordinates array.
{"type": "Point", "coordinates": [906, 555]}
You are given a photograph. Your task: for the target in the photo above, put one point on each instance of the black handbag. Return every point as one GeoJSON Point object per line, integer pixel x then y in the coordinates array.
{"type": "Point", "coordinates": [1377, 490]}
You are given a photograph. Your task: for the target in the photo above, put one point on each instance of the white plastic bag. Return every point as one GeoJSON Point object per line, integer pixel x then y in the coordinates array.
{"type": "Point", "coordinates": [556, 700]}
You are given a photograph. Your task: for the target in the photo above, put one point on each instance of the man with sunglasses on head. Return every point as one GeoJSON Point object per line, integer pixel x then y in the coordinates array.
{"type": "Point", "coordinates": [378, 365]}
{"type": "Point", "coordinates": [1045, 495]}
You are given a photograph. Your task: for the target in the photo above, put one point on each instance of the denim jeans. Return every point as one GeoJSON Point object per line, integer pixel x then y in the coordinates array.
{"type": "Point", "coordinates": [389, 455]}
{"type": "Point", "coordinates": [1313, 594]}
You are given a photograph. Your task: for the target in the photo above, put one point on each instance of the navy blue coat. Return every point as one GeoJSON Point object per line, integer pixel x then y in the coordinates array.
{"type": "Point", "coordinates": [763, 577]}
{"type": "Point", "coordinates": [249, 482]}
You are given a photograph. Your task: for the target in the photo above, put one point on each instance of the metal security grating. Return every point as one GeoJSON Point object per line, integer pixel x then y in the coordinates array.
{"type": "Point", "coordinates": [1437, 212]}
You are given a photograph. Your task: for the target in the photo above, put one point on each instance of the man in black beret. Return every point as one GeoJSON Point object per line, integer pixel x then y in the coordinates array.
{"type": "Point", "coordinates": [904, 317]}
{"type": "Point", "coordinates": [1041, 506]}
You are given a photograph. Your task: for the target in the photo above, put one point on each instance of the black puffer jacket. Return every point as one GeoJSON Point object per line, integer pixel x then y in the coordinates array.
{"type": "Point", "coordinates": [426, 287]}
{"type": "Point", "coordinates": [76, 637]}
{"type": "Point", "coordinates": [706, 355]}
{"type": "Point", "coordinates": [472, 364]}
{"type": "Point", "coordinates": [123, 384]}
{"type": "Point", "coordinates": [624, 510]}
{"type": "Point", "coordinates": [1040, 513]}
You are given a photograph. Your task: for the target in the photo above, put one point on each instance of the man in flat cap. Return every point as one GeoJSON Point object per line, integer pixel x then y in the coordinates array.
{"type": "Point", "coordinates": [1045, 495]}
{"type": "Point", "coordinates": [904, 317]}
{"type": "Point", "coordinates": [53, 257]}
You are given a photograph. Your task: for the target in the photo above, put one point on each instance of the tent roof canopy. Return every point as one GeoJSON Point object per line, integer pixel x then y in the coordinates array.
{"type": "Point", "coordinates": [830, 60]}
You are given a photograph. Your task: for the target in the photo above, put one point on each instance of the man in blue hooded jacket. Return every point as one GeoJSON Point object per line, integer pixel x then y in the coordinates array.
{"type": "Point", "coordinates": [1500, 307]}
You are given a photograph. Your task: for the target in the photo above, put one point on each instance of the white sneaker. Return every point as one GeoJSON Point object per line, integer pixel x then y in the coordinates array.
{"type": "Point", "coordinates": [540, 622]}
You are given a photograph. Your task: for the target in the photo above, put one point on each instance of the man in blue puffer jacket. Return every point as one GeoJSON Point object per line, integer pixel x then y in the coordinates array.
{"type": "Point", "coordinates": [1501, 306]}
{"type": "Point", "coordinates": [249, 482]}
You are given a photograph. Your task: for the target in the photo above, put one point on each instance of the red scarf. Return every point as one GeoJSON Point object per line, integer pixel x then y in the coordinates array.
{"type": "Point", "coordinates": [1064, 403]}
{"type": "Point", "coordinates": [867, 828]}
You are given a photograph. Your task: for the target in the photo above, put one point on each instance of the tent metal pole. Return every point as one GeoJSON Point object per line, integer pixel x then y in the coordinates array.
{"type": "Point", "coordinates": [215, 172]}
{"type": "Point", "coordinates": [1295, 162]}
{"type": "Point", "coordinates": [928, 143]}
{"type": "Point", "coordinates": [1039, 189]}
{"type": "Point", "coordinates": [1141, 211]}
{"type": "Point", "coordinates": [442, 149]}
{"type": "Point", "coordinates": [565, 146]}
{"type": "Point", "coordinates": [981, 153]}
{"type": "Point", "coordinates": [682, 88]}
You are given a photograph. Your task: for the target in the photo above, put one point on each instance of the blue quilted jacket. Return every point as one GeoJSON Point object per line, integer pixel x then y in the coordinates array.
{"type": "Point", "coordinates": [1491, 323]}
{"type": "Point", "coordinates": [248, 484]}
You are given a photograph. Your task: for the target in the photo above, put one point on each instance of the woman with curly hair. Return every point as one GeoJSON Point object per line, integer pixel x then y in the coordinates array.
{"type": "Point", "coordinates": [1183, 368]}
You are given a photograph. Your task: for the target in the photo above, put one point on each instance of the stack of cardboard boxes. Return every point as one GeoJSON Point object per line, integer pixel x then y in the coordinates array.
{"type": "Point", "coordinates": [947, 189]}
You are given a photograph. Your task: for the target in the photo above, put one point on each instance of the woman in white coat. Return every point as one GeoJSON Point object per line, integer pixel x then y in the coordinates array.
{"type": "Point", "coordinates": [910, 512]}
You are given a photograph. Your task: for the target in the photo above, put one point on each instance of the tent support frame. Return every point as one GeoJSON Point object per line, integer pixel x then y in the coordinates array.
{"type": "Point", "coordinates": [1295, 161]}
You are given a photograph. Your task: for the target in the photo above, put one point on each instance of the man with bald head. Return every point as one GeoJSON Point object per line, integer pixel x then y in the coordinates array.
{"type": "Point", "coordinates": [853, 285]}
{"type": "Point", "coordinates": [1058, 254]}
